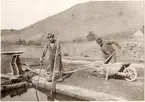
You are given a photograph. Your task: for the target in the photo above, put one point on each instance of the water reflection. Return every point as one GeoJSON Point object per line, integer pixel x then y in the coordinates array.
{"type": "Point", "coordinates": [22, 94]}
{"type": "Point", "coordinates": [14, 93]}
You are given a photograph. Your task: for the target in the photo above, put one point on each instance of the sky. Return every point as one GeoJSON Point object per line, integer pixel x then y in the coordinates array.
{"type": "Point", "coordinates": [17, 14]}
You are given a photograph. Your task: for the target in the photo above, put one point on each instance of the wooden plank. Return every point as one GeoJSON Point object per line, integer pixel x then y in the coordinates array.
{"type": "Point", "coordinates": [75, 92]}
{"type": "Point", "coordinates": [11, 52]}
{"type": "Point", "coordinates": [76, 61]}
{"type": "Point", "coordinates": [5, 76]}
{"type": "Point", "coordinates": [8, 76]}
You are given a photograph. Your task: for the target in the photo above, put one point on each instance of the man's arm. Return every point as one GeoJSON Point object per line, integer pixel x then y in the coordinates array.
{"type": "Point", "coordinates": [115, 43]}
{"type": "Point", "coordinates": [59, 48]}
{"type": "Point", "coordinates": [102, 57]}
{"type": "Point", "coordinates": [44, 50]}
{"type": "Point", "coordinates": [105, 51]}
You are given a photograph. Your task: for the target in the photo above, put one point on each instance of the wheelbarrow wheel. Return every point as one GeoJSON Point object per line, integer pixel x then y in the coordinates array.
{"type": "Point", "coordinates": [130, 74]}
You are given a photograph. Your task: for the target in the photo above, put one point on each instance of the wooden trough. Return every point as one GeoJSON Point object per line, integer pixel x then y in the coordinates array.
{"type": "Point", "coordinates": [74, 92]}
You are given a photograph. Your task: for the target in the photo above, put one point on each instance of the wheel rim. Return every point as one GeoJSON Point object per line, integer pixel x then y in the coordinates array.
{"type": "Point", "coordinates": [130, 73]}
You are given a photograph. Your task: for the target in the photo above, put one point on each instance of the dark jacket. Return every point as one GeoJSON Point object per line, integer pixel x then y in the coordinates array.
{"type": "Point", "coordinates": [107, 48]}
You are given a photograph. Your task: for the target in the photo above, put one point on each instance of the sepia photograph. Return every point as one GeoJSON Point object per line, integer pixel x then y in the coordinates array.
{"type": "Point", "coordinates": [72, 50]}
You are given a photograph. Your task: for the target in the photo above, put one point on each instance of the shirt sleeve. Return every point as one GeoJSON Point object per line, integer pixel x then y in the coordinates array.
{"type": "Point", "coordinates": [104, 51]}
{"type": "Point", "coordinates": [44, 50]}
{"type": "Point", "coordinates": [102, 57]}
{"type": "Point", "coordinates": [115, 43]}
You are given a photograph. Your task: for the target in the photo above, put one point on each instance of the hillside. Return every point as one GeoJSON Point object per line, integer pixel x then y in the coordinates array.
{"type": "Point", "coordinates": [7, 32]}
{"type": "Point", "coordinates": [103, 18]}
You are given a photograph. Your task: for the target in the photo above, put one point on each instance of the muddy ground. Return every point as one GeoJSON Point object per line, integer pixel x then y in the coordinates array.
{"type": "Point", "coordinates": [115, 87]}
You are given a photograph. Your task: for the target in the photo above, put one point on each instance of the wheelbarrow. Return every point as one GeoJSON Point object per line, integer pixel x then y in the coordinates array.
{"type": "Point", "coordinates": [124, 70]}
{"type": "Point", "coordinates": [120, 69]}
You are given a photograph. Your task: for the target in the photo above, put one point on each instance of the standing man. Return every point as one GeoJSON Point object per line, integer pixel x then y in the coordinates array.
{"type": "Point", "coordinates": [107, 49]}
{"type": "Point", "coordinates": [51, 47]}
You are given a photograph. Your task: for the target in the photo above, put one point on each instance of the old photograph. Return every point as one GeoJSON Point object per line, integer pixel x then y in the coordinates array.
{"type": "Point", "coordinates": [72, 50]}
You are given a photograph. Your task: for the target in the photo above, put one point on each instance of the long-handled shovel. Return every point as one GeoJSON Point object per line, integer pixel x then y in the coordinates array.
{"type": "Point", "coordinates": [52, 91]}
{"type": "Point", "coordinates": [38, 81]}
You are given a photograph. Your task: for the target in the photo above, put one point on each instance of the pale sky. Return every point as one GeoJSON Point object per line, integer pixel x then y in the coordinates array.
{"type": "Point", "coordinates": [17, 14]}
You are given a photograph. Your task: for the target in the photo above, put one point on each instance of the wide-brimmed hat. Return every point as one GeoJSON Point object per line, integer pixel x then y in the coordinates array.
{"type": "Point", "coordinates": [50, 35]}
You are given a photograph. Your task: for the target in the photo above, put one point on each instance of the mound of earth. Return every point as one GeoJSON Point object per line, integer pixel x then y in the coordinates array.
{"type": "Point", "coordinates": [114, 87]}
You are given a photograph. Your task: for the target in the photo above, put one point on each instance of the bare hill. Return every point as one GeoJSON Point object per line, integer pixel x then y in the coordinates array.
{"type": "Point", "coordinates": [103, 18]}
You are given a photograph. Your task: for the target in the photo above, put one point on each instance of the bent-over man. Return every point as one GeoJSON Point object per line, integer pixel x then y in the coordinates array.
{"type": "Point", "coordinates": [108, 49]}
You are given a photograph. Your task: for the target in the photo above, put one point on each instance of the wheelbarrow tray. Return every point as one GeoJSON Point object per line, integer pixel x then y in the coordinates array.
{"type": "Point", "coordinates": [122, 69]}
{"type": "Point", "coordinates": [115, 67]}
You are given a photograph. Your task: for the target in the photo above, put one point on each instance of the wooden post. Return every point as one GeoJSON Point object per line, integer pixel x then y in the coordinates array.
{"type": "Point", "coordinates": [53, 76]}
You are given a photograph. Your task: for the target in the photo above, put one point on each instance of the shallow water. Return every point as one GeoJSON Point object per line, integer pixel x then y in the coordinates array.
{"type": "Point", "coordinates": [25, 94]}
{"type": "Point", "coordinates": [28, 95]}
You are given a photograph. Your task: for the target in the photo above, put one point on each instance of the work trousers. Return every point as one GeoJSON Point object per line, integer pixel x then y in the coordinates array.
{"type": "Point", "coordinates": [58, 63]}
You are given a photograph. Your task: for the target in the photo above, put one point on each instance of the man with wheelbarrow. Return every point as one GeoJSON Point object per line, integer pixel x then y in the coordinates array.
{"type": "Point", "coordinates": [51, 47]}
{"type": "Point", "coordinates": [108, 50]}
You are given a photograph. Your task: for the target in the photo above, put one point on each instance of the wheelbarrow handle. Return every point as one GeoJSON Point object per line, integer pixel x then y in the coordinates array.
{"type": "Point", "coordinates": [110, 56]}
{"type": "Point", "coordinates": [108, 69]}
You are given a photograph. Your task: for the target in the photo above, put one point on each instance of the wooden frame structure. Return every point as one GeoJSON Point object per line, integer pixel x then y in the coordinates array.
{"type": "Point", "coordinates": [13, 60]}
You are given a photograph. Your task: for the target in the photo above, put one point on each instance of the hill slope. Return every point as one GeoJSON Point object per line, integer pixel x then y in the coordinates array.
{"type": "Point", "coordinates": [102, 17]}
{"type": "Point", "coordinates": [7, 32]}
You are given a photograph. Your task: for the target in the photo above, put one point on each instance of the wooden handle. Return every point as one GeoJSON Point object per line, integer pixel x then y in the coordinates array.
{"type": "Point", "coordinates": [110, 56]}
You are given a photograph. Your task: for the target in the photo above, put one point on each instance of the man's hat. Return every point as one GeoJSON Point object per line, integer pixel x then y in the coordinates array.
{"type": "Point", "coordinates": [99, 40]}
{"type": "Point", "coordinates": [50, 35]}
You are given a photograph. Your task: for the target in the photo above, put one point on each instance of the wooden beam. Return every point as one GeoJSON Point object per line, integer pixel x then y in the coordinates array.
{"type": "Point", "coordinates": [8, 76]}
{"type": "Point", "coordinates": [11, 52]}
{"type": "Point", "coordinates": [75, 92]}
{"type": "Point", "coordinates": [13, 86]}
